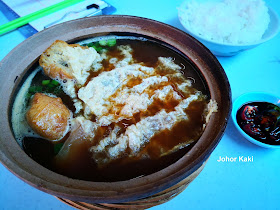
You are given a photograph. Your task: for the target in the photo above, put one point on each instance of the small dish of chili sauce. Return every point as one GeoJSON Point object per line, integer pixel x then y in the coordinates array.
{"type": "Point", "coordinates": [261, 121]}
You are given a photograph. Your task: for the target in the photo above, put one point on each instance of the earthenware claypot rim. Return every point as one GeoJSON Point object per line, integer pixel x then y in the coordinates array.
{"type": "Point", "coordinates": [20, 59]}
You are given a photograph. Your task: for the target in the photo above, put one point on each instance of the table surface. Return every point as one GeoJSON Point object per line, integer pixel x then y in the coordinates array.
{"type": "Point", "coordinates": [221, 185]}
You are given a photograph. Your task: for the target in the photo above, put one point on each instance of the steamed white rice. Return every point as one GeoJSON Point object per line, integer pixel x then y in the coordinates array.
{"type": "Point", "coordinates": [228, 21]}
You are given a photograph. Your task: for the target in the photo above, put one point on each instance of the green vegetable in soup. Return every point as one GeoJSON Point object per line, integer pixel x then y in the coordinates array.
{"type": "Point", "coordinates": [45, 82]}
{"type": "Point", "coordinates": [57, 148]}
{"type": "Point", "coordinates": [111, 42]}
{"type": "Point", "coordinates": [47, 86]}
{"type": "Point", "coordinates": [102, 44]}
{"type": "Point", "coordinates": [54, 82]}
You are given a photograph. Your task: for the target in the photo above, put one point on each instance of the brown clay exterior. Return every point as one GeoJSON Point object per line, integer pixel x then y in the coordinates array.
{"type": "Point", "coordinates": [143, 203]}
{"type": "Point", "coordinates": [15, 65]}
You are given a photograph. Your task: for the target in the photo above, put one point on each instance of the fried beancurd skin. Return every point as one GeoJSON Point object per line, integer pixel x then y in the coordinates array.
{"type": "Point", "coordinates": [48, 116]}
{"type": "Point", "coordinates": [54, 63]}
{"type": "Point", "coordinates": [68, 61]}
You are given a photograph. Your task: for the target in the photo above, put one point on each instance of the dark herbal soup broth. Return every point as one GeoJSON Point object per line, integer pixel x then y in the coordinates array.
{"type": "Point", "coordinates": [85, 168]}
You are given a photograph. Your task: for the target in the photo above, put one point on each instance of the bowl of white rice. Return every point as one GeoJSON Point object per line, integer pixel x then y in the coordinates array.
{"type": "Point", "coordinates": [228, 27]}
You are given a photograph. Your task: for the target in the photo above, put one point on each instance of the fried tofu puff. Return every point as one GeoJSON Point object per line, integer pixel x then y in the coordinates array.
{"type": "Point", "coordinates": [48, 117]}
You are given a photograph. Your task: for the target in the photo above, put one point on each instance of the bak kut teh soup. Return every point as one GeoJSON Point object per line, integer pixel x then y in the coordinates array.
{"type": "Point", "coordinates": [110, 110]}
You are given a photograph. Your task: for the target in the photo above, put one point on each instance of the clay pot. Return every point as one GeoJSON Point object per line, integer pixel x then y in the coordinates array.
{"type": "Point", "coordinates": [151, 189]}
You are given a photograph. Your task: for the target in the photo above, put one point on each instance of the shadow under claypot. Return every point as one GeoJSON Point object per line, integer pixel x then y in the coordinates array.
{"type": "Point", "coordinates": [141, 192]}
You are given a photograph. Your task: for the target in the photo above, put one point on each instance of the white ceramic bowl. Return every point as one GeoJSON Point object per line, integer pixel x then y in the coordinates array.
{"type": "Point", "coordinates": [222, 49]}
{"type": "Point", "coordinates": [253, 97]}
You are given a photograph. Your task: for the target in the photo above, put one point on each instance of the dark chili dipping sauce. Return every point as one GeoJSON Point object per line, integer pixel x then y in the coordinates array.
{"type": "Point", "coordinates": [261, 121]}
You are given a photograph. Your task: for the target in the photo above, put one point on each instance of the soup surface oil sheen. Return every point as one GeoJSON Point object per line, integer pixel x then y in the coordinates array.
{"type": "Point", "coordinates": [167, 118]}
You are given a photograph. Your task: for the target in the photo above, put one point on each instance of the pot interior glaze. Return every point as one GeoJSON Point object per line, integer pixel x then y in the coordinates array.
{"type": "Point", "coordinates": [17, 64]}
